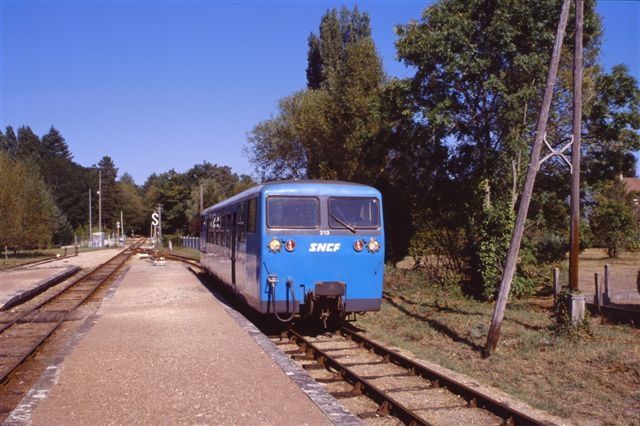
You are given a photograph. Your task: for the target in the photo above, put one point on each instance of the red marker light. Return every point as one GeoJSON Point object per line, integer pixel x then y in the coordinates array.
{"type": "Point", "coordinates": [358, 245]}
{"type": "Point", "coordinates": [290, 245]}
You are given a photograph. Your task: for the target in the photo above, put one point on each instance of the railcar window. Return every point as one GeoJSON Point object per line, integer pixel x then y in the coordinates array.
{"type": "Point", "coordinates": [361, 213]}
{"type": "Point", "coordinates": [251, 216]}
{"type": "Point", "coordinates": [293, 212]}
{"type": "Point", "coordinates": [223, 231]}
{"type": "Point", "coordinates": [241, 216]}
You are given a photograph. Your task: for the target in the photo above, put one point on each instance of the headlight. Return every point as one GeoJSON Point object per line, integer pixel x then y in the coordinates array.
{"type": "Point", "coordinates": [373, 246]}
{"type": "Point", "coordinates": [275, 245]}
{"type": "Point", "coordinates": [358, 245]}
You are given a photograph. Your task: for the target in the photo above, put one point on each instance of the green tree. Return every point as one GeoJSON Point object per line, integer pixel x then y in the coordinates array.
{"type": "Point", "coordinates": [28, 215]}
{"type": "Point", "coordinates": [110, 213]}
{"type": "Point", "coordinates": [330, 130]}
{"type": "Point", "coordinates": [612, 127]}
{"type": "Point", "coordinates": [172, 190]}
{"type": "Point", "coordinates": [612, 219]}
{"type": "Point", "coordinates": [480, 70]}
{"type": "Point", "coordinates": [8, 141]}
{"type": "Point", "coordinates": [131, 204]}
{"type": "Point", "coordinates": [54, 145]}
{"type": "Point", "coordinates": [29, 147]}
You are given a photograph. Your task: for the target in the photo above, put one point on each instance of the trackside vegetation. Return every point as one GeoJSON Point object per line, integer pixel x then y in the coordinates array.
{"type": "Point", "coordinates": [589, 374]}
{"type": "Point", "coordinates": [44, 194]}
{"type": "Point", "coordinates": [449, 146]}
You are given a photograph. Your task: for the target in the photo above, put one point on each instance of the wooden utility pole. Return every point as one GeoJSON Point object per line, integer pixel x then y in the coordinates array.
{"type": "Point", "coordinates": [90, 222]}
{"type": "Point", "coordinates": [201, 198]}
{"type": "Point", "coordinates": [574, 249]}
{"type": "Point", "coordinates": [534, 164]}
{"type": "Point", "coordinates": [100, 207]}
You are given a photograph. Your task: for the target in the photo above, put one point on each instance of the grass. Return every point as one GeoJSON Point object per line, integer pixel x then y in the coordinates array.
{"type": "Point", "coordinates": [597, 378]}
{"type": "Point", "coordinates": [623, 270]}
{"type": "Point", "coordinates": [27, 256]}
{"type": "Point", "coordinates": [187, 252]}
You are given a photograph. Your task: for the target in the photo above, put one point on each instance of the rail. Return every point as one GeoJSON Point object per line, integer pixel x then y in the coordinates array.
{"type": "Point", "coordinates": [23, 333]}
{"type": "Point", "coordinates": [386, 403]}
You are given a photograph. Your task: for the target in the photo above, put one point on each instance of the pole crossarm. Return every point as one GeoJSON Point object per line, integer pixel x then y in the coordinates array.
{"type": "Point", "coordinates": [557, 152]}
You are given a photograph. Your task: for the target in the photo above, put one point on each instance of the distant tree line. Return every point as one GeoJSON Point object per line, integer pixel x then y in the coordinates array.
{"type": "Point", "coordinates": [449, 146]}
{"type": "Point", "coordinates": [44, 194]}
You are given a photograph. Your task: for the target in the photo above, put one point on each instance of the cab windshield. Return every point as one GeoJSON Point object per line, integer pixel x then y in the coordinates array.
{"type": "Point", "coordinates": [354, 213]}
{"type": "Point", "coordinates": [293, 212]}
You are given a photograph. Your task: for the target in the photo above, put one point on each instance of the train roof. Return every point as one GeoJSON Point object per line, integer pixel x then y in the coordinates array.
{"type": "Point", "coordinates": [300, 187]}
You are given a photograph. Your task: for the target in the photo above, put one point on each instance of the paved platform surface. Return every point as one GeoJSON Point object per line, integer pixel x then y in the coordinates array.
{"type": "Point", "coordinates": [26, 279]}
{"type": "Point", "coordinates": [87, 259]}
{"type": "Point", "coordinates": [163, 350]}
{"type": "Point", "coordinates": [23, 281]}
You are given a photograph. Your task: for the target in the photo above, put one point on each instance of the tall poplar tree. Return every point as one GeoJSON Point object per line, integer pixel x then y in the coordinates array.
{"type": "Point", "coordinates": [330, 130]}
{"type": "Point", "coordinates": [110, 215]}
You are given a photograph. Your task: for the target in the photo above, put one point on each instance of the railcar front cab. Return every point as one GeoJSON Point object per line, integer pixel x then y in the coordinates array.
{"type": "Point", "coordinates": [324, 254]}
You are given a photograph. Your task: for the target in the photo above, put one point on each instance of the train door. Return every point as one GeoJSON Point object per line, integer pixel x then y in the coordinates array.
{"type": "Point", "coordinates": [234, 226]}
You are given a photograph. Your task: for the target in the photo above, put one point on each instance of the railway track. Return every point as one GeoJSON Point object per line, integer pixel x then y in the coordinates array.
{"type": "Point", "coordinates": [22, 332]}
{"type": "Point", "coordinates": [170, 256]}
{"type": "Point", "coordinates": [398, 386]}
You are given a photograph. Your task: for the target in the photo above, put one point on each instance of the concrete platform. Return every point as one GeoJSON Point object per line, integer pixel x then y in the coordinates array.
{"type": "Point", "coordinates": [163, 350]}
{"type": "Point", "coordinates": [21, 284]}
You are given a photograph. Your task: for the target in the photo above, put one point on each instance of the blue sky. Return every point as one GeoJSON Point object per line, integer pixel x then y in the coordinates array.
{"type": "Point", "coordinates": [162, 84]}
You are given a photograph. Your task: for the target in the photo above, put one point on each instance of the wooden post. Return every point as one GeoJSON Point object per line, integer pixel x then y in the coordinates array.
{"type": "Point", "coordinates": [607, 289]}
{"type": "Point", "coordinates": [597, 298]}
{"type": "Point", "coordinates": [65, 252]}
{"type": "Point", "coordinates": [574, 248]}
{"type": "Point", "coordinates": [556, 283]}
{"type": "Point", "coordinates": [6, 257]}
{"type": "Point", "coordinates": [201, 197]}
{"type": "Point", "coordinates": [534, 163]}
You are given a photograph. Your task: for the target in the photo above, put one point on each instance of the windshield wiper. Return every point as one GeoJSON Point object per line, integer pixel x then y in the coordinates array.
{"type": "Point", "coordinates": [346, 225]}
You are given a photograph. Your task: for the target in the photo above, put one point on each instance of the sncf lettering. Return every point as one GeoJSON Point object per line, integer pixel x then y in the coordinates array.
{"type": "Point", "coordinates": [324, 247]}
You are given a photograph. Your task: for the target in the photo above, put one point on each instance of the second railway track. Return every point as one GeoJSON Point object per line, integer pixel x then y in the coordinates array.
{"type": "Point", "coordinates": [23, 331]}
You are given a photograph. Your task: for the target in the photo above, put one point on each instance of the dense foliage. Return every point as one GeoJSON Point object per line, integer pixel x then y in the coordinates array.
{"type": "Point", "coordinates": [44, 197]}
{"type": "Point", "coordinates": [449, 147]}
{"type": "Point", "coordinates": [27, 211]}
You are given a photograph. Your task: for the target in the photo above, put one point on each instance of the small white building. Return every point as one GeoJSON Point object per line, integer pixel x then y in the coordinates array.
{"type": "Point", "coordinates": [97, 239]}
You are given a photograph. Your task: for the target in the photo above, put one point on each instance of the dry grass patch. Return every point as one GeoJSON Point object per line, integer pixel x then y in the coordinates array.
{"type": "Point", "coordinates": [586, 380]}
{"type": "Point", "coordinates": [186, 252]}
{"type": "Point", "coordinates": [28, 256]}
{"type": "Point", "coordinates": [624, 270]}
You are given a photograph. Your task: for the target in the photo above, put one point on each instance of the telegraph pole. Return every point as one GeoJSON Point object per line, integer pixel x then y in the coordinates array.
{"type": "Point", "coordinates": [100, 207]}
{"type": "Point", "coordinates": [90, 222]}
{"type": "Point", "coordinates": [122, 234]}
{"type": "Point", "coordinates": [201, 198]}
{"type": "Point", "coordinates": [575, 152]}
{"type": "Point", "coordinates": [159, 232]}
{"type": "Point", "coordinates": [534, 164]}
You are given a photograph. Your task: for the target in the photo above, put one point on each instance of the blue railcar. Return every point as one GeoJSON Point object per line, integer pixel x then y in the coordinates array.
{"type": "Point", "coordinates": [299, 248]}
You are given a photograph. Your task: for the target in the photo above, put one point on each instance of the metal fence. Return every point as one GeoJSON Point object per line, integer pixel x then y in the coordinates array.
{"type": "Point", "coordinates": [191, 242]}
